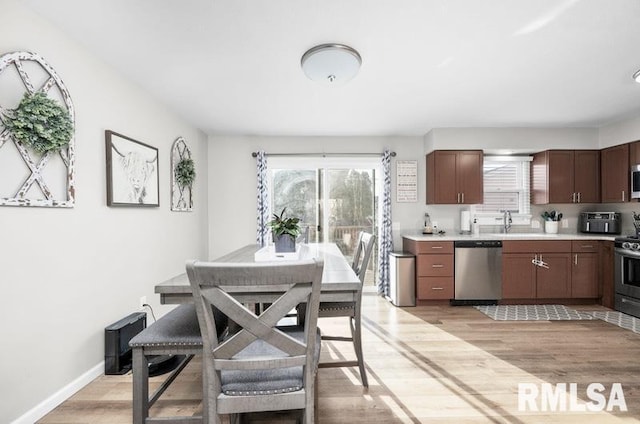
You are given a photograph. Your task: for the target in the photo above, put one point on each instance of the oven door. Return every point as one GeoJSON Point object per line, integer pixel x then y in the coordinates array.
{"type": "Point", "coordinates": [627, 273]}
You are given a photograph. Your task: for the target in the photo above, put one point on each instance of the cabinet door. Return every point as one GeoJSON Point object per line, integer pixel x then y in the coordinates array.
{"type": "Point", "coordinates": [584, 275]}
{"type": "Point", "coordinates": [441, 177]}
{"type": "Point", "coordinates": [614, 166]}
{"type": "Point", "coordinates": [435, 265]}
{"type": "Point", "coordinates": [518, 276]}
{"type": "Point", "coordinates": [561, 182]}
{"type": "Point", "coordinates": [434, 288]}
{"type": "Point", "coordinates": [608, 278]}
{"type": "Point", "coordinates": [554, 282]}
{"type": "Point", "coordinates": [586, 166]}
{"type": "Point", "coordinates": [469, 176]}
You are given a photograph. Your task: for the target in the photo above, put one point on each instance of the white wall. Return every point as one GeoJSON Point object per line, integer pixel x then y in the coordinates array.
{"type": "Point", "coordinates": [68, 273]}
{"type": "Point", "coordinates": [620, 132]}
{"type": "Point", "coordinates": [232, 180]}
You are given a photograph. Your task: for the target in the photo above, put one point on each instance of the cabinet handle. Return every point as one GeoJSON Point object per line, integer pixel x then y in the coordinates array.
{"type": "Point", "coordinates": [587, 246]}
{"type": "Point", "coordinates": [579, 197]}
{"type": "Point", "coordinates": [437, 288]}
{"type": "Point", "coordinates": [437, 266]}
{"type": "Point", "coordinates": [575, 259]}
{"type": "Point", "coordinates": [573, 198]}
{"type": "Point", "coordinates": [623, 195]}
{"type": "Point", "coordinates": [436, 247]}
{"type": "Point", "coordinates": [458, 195]}
{"type": "Point", "coordinates": [462, 198]}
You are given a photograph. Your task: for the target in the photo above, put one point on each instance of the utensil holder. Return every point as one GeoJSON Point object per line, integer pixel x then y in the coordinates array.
{"type": "Point", "coordinates": [551, 227]}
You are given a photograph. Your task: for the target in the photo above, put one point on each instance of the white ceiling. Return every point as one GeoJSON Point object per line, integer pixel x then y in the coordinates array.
{"type": "Point", "coordinates": [233, 66]}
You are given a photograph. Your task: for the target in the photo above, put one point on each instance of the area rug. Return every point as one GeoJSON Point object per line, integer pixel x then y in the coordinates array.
{"type": "Point", "coordinates": [618, 318]}
{"type": "Point", "coordinates": [532, 313]}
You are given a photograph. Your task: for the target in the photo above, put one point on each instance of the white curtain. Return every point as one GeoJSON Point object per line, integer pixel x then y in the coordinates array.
{"type": "Point", "coordinates": [263, 212]}
{"type": "Point", "coordinates": [385, 240]}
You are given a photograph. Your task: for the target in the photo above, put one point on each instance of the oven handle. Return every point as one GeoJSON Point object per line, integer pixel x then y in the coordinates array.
{"type": "Point", "coordinates": [627, 253]}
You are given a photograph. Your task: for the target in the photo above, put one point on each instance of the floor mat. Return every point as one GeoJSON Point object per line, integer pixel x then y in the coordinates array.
{"type": "Point", "coordinates": [618, 318]}
{"type": "Point", "coordinates": [532, 313]}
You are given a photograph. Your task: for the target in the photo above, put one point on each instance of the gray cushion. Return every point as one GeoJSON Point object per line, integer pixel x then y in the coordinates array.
{"type": "Point", "coordinates": [265, 382]}
{"type": "Point", "coordinates": [177, 328]}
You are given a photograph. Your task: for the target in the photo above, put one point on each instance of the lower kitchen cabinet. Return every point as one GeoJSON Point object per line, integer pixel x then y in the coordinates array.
{"type": "Point", "coordinates": [585, 260]}
{"type": "Point", "coordinates": [553, 281]}
{"type": "Point", "coordinates": [518, 276]}
{"type": "Point", "coordinates": [434, 268]}
{"type": "Point", "coordinates": [435, 288]}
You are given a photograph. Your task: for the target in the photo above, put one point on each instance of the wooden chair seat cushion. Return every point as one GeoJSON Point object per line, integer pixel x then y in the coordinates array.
{"type": "Point", "coordinates": [336, 306]}
{"type": "Point", "coordinates": [267, 381]}
{"type": "Point", "coordinates": [177, 328]}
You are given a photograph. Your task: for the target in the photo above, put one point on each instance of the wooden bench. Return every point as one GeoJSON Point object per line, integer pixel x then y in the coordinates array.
{"type": "Point", "coordinates": [176, 333]}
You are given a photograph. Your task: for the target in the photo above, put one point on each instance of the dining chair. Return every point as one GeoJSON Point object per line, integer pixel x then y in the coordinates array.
{"type": "Point", "coordinates": [260, 367]}
{"type": "Point", "coordinates": [352, 310]}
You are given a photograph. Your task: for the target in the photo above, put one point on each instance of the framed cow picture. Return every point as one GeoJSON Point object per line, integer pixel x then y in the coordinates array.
{"type": "Point", "coordinates": [132, 172]}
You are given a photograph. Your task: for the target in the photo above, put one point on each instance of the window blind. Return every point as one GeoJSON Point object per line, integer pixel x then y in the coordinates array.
{"type": "Point", "coordinates": [506, 186]}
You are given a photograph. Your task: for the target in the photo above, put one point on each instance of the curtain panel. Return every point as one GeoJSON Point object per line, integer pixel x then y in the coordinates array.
{"type": "Point", "coordinates": [262, 215]}
{"type": "Point", "coordinates": [385, 239]}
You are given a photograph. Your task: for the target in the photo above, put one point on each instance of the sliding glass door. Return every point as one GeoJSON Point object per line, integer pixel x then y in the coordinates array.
{"type": "Point", "coordinates": [336, 200]}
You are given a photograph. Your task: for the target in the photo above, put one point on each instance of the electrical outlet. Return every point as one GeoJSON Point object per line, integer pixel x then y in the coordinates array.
{"type": "Point", "coordinates": [535, 223]}
{"type": "Point", "coordinates": [143, 301]}
{"type": "Point", "coordinates": [565, 223]}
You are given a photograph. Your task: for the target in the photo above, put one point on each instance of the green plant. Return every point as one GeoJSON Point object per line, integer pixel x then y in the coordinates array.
{"type": "Point", "coordinates": [280, 225]}
{"type": "Point", "coordinates": [40, 123]}
{"type": "Point", "coordinates": [551, 216]}
{"type": "Point", "coordinates": [185, 172]}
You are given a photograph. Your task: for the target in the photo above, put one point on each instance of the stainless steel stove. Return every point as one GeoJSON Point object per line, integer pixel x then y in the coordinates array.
{"type": "Point", "coordinates": [627, 275]}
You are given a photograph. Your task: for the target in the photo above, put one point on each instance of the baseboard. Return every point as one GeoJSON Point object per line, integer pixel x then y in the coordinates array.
{"type": "Point", "coordinates": [47, 405]}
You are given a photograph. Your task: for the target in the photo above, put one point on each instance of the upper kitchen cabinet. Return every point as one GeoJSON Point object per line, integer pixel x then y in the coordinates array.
{"type": "Point", "coordinates": [565, 176]}
{"type": "Point", "coordinates": [614, 172]}
{"type": "Point", "coordinates": [454, 177]}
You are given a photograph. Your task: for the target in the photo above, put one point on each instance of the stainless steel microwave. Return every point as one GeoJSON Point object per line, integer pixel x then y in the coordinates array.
{"type": "Point", "coordinates": [635, 182]}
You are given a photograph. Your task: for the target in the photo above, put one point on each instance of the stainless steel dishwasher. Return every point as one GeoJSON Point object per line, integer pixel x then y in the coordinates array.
{"type": "Point", "coordinates": [478, 271]}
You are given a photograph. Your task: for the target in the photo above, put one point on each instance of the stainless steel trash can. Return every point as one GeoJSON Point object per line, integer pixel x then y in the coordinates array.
{"type": "Point", "coordinates": [402, 281]}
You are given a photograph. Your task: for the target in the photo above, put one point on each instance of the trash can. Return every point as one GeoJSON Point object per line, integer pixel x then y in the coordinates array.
{"type": "Point", "coordinates": [402, 281]}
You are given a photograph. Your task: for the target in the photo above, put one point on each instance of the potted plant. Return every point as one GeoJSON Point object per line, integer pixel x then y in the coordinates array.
{"type": "Point", "coordinates": [285, 231]}
{"type": "Point", "coordinates": [40, 123]}
{"type": "Point", "coordinates": [551, 220]}
{"type": "Point", "coordinates": [185, 172]}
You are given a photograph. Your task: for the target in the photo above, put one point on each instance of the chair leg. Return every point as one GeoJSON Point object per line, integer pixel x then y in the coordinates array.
{"type": "Point", "coordinates": [356, 333]}
{"type": "Point", "coordinates": [140, 386]}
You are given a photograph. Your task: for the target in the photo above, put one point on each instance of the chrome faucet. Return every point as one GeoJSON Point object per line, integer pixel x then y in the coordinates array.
{"type": "Point", "coordinates": [506, 221]}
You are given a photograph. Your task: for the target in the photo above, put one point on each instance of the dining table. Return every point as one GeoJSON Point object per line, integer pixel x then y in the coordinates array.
{"type": "Point", "coordinates": [339, 281]}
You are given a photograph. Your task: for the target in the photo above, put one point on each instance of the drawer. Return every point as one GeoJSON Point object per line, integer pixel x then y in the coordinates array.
{"type": "Point", "coordinates": [435, 288]}
{"type": "Point", "coordinates": [584, 246]}
{"type": "Point", "coordinates": [435, 265]}
{"type": "Point", "coordinates": [438, 247]}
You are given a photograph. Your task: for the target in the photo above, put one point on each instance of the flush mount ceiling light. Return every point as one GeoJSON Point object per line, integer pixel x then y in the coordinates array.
{"type": "Point", "coordinates": [636, 76]}
{"type": "Point", "coordinates": [331, 63]}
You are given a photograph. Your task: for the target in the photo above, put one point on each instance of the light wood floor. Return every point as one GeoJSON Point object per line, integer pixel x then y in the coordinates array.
{"type": "Point", "coordinates": [427, 364]}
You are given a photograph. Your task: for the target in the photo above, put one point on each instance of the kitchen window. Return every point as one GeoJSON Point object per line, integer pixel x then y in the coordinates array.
{"type": "Point", "coordinates": [506, 188]}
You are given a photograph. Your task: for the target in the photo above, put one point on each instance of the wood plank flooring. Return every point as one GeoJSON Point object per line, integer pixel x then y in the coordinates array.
{"type": "Point", "coordinates": [434, 364]}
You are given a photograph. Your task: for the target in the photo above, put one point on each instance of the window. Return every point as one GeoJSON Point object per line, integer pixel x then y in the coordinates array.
{"type": "Point", "coordinates": [506, 187]}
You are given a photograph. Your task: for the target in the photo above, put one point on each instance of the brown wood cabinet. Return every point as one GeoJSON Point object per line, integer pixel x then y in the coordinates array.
{"type": "Point", "coordinates": [454, 177]}
{"type": "Point", "coordinates": [522, 279]}
{"type": "Point", "coordinates": [614, 173]}
{"type": "Point", "coordinates": [434, 268]}
{"type": "Point", "coordinates": [607, 273]}
{"type": "Point", "coordinates": [565, 176]}
{"type": "Point", "coordinates": [585, 260]}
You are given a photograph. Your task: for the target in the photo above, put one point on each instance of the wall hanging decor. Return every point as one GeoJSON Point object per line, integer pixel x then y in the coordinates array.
{"type": "Point", "coordinates": [132, 172]}
{"type": "Point", "coordinates": [183, 175]}
{"type": "Point", "coordinates": [37, 126]}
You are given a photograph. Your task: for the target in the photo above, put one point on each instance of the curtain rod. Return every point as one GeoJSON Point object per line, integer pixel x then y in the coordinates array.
{"type": "Point", "coordinates": [255, 154]}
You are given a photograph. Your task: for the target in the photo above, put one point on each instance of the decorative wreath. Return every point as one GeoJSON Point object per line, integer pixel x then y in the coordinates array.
{"type": "Point", "coordinates": [185, 172]}
{"type": "Point", "coordinates": [40, 123]}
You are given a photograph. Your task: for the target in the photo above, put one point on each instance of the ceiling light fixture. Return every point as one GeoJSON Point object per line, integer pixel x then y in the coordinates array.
{"type": "Point", "coordinates": [636, 76]}
{"type": "Point", "coordinates": [331, 63]}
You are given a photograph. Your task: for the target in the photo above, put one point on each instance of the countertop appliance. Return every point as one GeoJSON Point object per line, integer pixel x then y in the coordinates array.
{"type": "Point", "coordinates": [599, 222]}
{"type": "Point", "coordinates": [478, 272]}
{"type": "Point", "coordinates": [627, 275]}
{"type": "Point", "coordinates": [635, 182]}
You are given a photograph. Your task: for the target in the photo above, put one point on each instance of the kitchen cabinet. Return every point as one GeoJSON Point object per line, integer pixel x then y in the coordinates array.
{"type": "Point", "coordinates": [607, 259]}
{"type": "Point", "coordinates": [536, 269]}
{"type": "Point", "coordinates": [614, 173]}
{"type": "Point", "coordinates": [434, 268]}
{"type": "Point", "coordinates": [565, 176]}
{"type": "Point", "coordinates": [585, 259]}
{"type": "Point", "coordinates": [454, 177]}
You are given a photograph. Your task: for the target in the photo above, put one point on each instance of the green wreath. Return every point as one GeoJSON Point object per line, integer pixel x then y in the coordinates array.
{"type": "Point", "coordinates": [40, 123]}
{"type": "Point", "coordinates": [185, 172]}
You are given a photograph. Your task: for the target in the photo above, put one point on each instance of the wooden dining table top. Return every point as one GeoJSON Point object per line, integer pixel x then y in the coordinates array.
{"type": "Point", "coordinates": [339, 282]}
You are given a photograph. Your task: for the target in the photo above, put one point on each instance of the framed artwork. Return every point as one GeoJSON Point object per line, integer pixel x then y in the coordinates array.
{"type": "Point", "coordinates": [132, 172]}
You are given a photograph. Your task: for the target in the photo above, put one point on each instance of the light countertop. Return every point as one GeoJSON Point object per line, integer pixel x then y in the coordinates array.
{"type": "Point", "coordinates": [455, 236]}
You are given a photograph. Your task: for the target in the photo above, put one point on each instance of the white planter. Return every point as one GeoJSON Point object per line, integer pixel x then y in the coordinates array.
{"type": "Point", "coordinates": [551, 227]}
